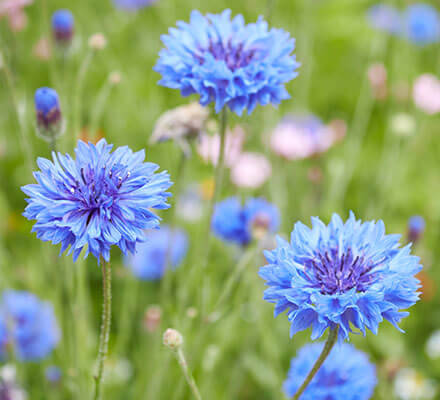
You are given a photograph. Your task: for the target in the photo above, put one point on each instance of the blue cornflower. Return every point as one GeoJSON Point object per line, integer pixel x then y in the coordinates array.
{"type": "Point", "coordinates": [341, 274]}
{"type": "Point", "coordinates": [236, 223]}
{"type": "Point", "coordinates": [162, 246]}
{"type": "Point", "coordinates": [346, 374]}
{"type": "Point", "coordinates": [99, 200]}
{"type": "Point", "coordinates": [63, 26]}
{"type": "Point", "coordinates": [422, 24]}
{"type": "Point", "coordinates": [228, 62]}
{"type": "Point", "coordinates": [28, 325]}
{"type": "Point", "coordinates": [416, 228]}
{"type": "Point", "coordinates": [386, 18]}
{"type": "Point", "coordinates": [47, 108]}
{"type": "Point", "coordinates": [133, 5]}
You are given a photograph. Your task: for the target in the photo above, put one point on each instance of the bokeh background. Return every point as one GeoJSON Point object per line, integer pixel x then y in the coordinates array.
{"type": "Point", "coordinates": [386, 167]}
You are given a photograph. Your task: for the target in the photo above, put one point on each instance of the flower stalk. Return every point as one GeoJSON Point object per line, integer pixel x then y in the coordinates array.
{"type": "Point", "coordinates": [331, 340]}
{"type": "Point", "coordinates": [105, 326]}
{"type": "Point", "coordinates": [219, 171]}
{"type": "Point", "coordinates": [187, 373]}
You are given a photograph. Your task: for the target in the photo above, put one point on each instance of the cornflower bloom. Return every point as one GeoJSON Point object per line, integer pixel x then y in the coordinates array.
{"type": "Point", "coordinates": [227, 62]}
{"type": "Point", "coordinates": [100, 199]}
{"type": "Point", "coordinates": [342, 276]}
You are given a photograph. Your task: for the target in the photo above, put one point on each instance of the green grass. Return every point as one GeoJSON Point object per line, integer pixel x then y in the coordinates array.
{"type": "Point", "coordinates": [246, 354]}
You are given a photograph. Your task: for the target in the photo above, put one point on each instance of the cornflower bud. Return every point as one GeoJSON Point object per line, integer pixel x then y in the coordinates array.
{"type": "Point", "coordinates": [63, 27]}
{"type": "Point", "coordinates": [48, 112]}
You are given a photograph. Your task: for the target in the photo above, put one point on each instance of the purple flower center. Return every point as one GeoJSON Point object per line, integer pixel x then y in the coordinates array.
{"type": "Point", "coordinates": [97, 189]}
{"type": "Point", "coordinates": [332, 273]}
{"type": "Point", "coordinates": [234, 55]}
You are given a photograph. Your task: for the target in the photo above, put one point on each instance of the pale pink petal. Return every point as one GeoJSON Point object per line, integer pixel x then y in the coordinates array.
{"type": "Point", "coordinates": [251, 170]}
{"type": "Point", "coordinates": [426, 93]}
{"type": "Point", "coordinates": [209, 146]}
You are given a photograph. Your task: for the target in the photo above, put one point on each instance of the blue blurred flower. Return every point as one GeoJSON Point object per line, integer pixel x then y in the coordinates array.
{"type": "Point", "coordinates": [422, 24]}
{"type": "Point", "coordinates": [62, 26]}
{"type": "Point", "coordinates": [47, 108]}
{"type": "Point", "coordinates": [133, 5]}
{"type": "Point", "coordinates": [53, 374]}
{"type": "Point", "coordinates": [341, 274]}
{"type": "Point", "coordinates": [228, 62]}
{"type": "Point", "coordinates": [386, 18]}
{"type": "Point", "coordinates": [99, 200]}
{"type": "Point", "coordinates": [28, 325]}
{"type": "Point", "coordinates": [235, 223]}
{"type": "Point", "coordinates": [416, 228]}
{"type": "Point", "coordinates": [150, 260]}
{"type": "Point", "coordinates": [346, 374]}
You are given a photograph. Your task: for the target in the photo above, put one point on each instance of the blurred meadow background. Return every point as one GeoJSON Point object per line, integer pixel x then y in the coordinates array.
{"type": "Point", "coordinates": [357, 79]}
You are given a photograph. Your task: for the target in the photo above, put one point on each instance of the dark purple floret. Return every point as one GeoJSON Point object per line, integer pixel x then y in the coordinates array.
{"type": "Point", "coordinates": [234, 55]}
{"type": "Point", "coordinates": [332, 273]}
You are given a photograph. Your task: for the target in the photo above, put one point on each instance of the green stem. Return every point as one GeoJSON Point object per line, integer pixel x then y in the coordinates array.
{"type": "Point", "coordinates": [247, 256]}
{"type": "Point", "coordinates": [188, 376]}
{"type": "Point", "coordinates": [24, 139]}
{"type": "Point", "coordinates": [105, 327]}
{"type": "Point", "coordinates": [77, 97]}
{"type": "Point", "coordinates": [167, 279]}
{"type": "Point", "coordinates": [101, 100]}
{"type": "Point", "coordinates": [331, 340]}
{"type": "Point", "coordinates": [219, 170]}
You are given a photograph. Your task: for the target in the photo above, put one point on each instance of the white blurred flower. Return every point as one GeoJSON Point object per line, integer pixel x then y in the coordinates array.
{"type": "Point", "coordinates": [180, 124]}
{"type": "Point", "coordinates": [97, 41]}
{"type": "Point", "coordinates": [211, 357]}
{"type": "Point", "coordinates": [189, 205]}
{"type": "Point", "coordinates": [403, 124]}
{"type": "Point", "coordinates": [432, 347]}
{"type": "Point", "coordinates": [8, 386]}
{"type": "Point", "coordinates": [118, 371]}
{"type": "Point", "coordinates": [410, 385]}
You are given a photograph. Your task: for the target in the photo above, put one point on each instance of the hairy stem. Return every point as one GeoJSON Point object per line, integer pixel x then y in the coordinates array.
{"type": "Point", "coordinates": [105, 326]}
{"type": "Point", "coordinates": [188, 375]}
{"type": "Point", "coordinates": [331, 340]}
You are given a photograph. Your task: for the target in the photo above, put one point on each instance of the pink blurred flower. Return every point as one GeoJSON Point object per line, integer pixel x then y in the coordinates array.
{"type": "Point", "coordinates": [209, 146]}
{"type": "Point", "coordinates": [42, 49]}
{"type": "Point", "coordinates": [250, 170]}
{"type": "Point", "coordinates": [426, 93]}
{"type": "Point", "coordinates": [299, 137]}
{"type": "Point", "coordinates": [377, 75]}
{"type": "Point", "coordinates": [13, 10]}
